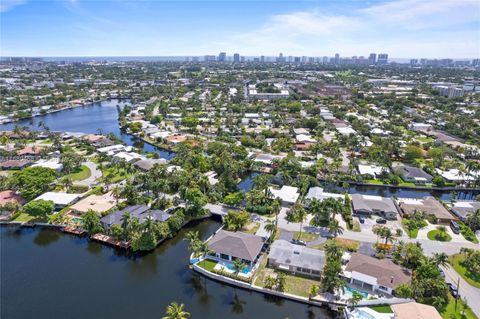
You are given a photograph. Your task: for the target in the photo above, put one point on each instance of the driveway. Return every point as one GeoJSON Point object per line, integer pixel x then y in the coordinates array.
{"type": "Point", "coordinates": [95, 174]}
{"type": "Point", "coordinates": [467, 291]}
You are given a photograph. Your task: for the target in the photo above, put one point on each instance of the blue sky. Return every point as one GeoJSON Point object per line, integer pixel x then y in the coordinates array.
{"type": "Point", "coordinates": [402, 28]}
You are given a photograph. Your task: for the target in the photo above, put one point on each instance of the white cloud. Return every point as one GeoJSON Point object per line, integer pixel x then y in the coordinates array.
{"type": "Point", "coordinates": [402, 28]}
{"type": "Point", "coordinates": [6, 5]}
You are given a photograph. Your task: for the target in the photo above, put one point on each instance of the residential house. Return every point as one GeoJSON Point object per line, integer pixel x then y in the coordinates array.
{"type": "Point", "coordinates": [414, 310]}
{"type": "Point", "coordinates": [427, 205]}
{"type": "Point", "coordinates": [147, 164]}
{"type": "Point", "coordinates": [462, 209]}
{"type": "Point", "coordinates": [53, 163]}
{"type": "Point", "coordinates": [371, 170]}
{"type": "Point", "coordinates": [318, 193]}
{"type": "Point", "coordinates": [377, 275]}
{"type": "Point", "coordinates": [288, 194]}
{"type": "Point", "coordinates": [15, 164]}
{"type": "Point", "coordinates": [229, 246]}
{"type": "Point", "coordinates": [97, 203]}
{"type": "Point", "coordinates": [141, 212]}
{"type": "Point", "coordinates": [369, 205]}
{"type": "Point", "coordinates": [59, 199]}
{"type": "Point", "coordinates": [413, 174]}
{"type": "Point", "coordinates": [8, 196]}
{"type": "Point", "coordinates": [293, 258]}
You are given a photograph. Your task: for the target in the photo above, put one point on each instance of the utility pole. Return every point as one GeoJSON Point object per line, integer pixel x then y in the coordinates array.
{"type": "Point", "coordinates": [456, 298]}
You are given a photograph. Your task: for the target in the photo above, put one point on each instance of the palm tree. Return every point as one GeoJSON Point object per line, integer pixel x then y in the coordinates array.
{"type": "Point", "coordinates": [440, 259]}
{"type": "Point", "coordinates": [438, 302]}
{"type": "Point", "coordinates": [297, 214]}
{"type": "Point", "coordinates": [335, 228]}
{"type": "Point", "coordinates": [66, 182]}
{"type": "Point", "coordinates": [175, 311]}
{"type": "Point", "coordinates": [116, 192]}
{"type": "Point", "coordinates": [238, 266]}
{"type": "Point", "coordinates": [355, 299]}
{"type": "Point", "coordinates": [125, 219]}
{"type": "Point", "coordinates": [271, 228]}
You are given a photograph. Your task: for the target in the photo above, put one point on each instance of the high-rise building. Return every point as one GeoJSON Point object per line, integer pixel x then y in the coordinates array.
{"type": "Point", "coordinates": [372, 58]}
{"type": "Point", "coordinates": [382, 59]}
{"type": "Point", "coordinates": [222, 57]}
{"type": "Point", "coordinates": [280, 58]}
{"type": "Point", "coordinates": [236, 57]}
{"type": "Point", "coordinates": [337, 58]}
{"type": "Point", "coordinates": [325, 59]}
{"type": "Point", "coordinates": [413, 62]}
{"type": "Point", "coordinates": [262, 58]}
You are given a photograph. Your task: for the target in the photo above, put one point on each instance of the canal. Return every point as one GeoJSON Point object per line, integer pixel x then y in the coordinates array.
{"type": "Point", "coordinates": [48, 274]}
{"type": "Point", "coordinates": [98, 117]}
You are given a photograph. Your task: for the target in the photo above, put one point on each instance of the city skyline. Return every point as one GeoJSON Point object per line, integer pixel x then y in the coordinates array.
{"type": "Point", "coordinates": [404, 29]}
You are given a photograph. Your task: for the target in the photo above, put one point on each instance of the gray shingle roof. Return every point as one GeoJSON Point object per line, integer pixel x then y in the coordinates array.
{"type": "Point", "coordinates": [286, 253]}
{"type": "Point", "coordinates": [237, 244]}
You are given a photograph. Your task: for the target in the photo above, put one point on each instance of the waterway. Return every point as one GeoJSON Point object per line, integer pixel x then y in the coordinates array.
{"type": "Point", "coordinates": [49, 274]}
{"type": "Point", "coordinates": [98, 117]}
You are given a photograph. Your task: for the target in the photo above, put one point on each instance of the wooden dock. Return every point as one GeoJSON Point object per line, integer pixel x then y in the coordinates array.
{"type": "Point", "coordinates": [104, 239]}
{"type": "Point", "coordinates": [74, 231]}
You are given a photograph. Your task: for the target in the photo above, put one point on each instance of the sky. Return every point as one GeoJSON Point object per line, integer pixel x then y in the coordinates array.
{"type": "Point", "coordinates": [401, 28]}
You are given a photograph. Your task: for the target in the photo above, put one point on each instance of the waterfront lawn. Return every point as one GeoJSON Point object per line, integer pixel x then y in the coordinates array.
{"type": "Point", "coordinates": [456, 262]}
{"type": "Point", "coordinates": [306, 237]}
{"type": "Point", "coordinates": [374, 181]}
{"type": "Point", "coordinates": [24, 217]}
{"type": "Point", "coordinates": [467, 233]}
{"type": "Point", "coordinates": [80, 174]}
{"type": "Point", "coordinates": [382, 309]}
{"type": "Point", "coordinates": [295, 285]}
{"type": "Point", "coordinates": [207, 264]}
{"type": "Point", "coordinates": [448, 312]}
{"type": "Point", "coordinates": [438, 235]}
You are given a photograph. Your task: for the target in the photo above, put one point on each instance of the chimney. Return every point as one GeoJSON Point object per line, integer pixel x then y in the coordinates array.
{"type": "Point", "coordinates": [391, 279]}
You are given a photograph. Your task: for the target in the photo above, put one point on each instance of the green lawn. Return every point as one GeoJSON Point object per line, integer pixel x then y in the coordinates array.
{"type": "Point", "coordinates": [80, 174]}
{"type": "Point", "coordinates": [251, 228]}
{"type": "Point", "coordinates": [438, 235]}
{"type": "Point", "coordinates": [24, 217]}
{"type": "Point", "coordinates": [347, 244]}
{"type": "Point", "coordinates": [305, 236]}
{"type": "Point", "coordinates": [374, 181]}
{"type": "Point", "coordinates": [406, 184]}
{"type": "Point", "coordinates": [207, 264]}
{"type": "Point", "coordinates": [411, 233]}
{"type": "Point", "coordinates": [472, 278]}
{"type": "Point", "coordinates": [382, 309]}
{"type": "Point", "coordinates": [424, 139]}
{"type": "Point", "coordinates": [449, 311]}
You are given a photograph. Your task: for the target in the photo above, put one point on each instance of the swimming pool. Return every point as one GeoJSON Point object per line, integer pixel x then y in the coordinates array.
{"type": "Point", "coordinates": [245, 269]}
{"type": "Point", "coordinates": [350, 291]}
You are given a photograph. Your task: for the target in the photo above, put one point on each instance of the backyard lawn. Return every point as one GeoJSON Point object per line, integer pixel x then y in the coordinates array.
{"type": "Point", "coordinates": [207, 264]}
{"type": "Point", "coordinates": [251, 228]}
{"type": "Point", "coordinates": [24, 217]}
{"type": "Point", "coordinates": [382, 309]}
{"type": "Point", "coordinates": [80, 174]}
{"type": "Point", "coordinates": [347, 244]}
{"type": "Point", "coordinates": [472, 278]}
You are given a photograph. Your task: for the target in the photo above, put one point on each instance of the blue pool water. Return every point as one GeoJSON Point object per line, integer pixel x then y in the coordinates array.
{"type": "Point", "coordinates": [194, 261]}
{"type": "Point", "coordinates": [349, 290]}
{"type": "Point", "coordinates": [245, 270]}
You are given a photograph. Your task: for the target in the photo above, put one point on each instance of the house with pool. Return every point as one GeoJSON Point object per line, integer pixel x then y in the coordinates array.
{"type": "Point", "coordinates": [227, 246]}
{"type": "Point", "coordinates": [372, 275]}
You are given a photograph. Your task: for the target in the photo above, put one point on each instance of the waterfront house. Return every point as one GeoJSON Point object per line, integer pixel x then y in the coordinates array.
{"type": "Point", "coordinates": [97, 203]}
{"type": "Point", "coordinates": [229, 246]}
{"type": "Point", "coordinates": [318, 193]}
{"type": "Point", "coordinates": [287, 194]}
{"type": "Point", "coordinates": [413, 174]}
{"type": "Point", "coordinates": [293, 258]}
{"type": "Point", "coordinates": [370, 204]}
{"type": "Point", "coordinates": [29, 150]}
{"type": "Point", "coordinates": [59, 199]}
{"type": "Point", "coordinates": [377, 275]}
{"type": "Point", "coordinates": [370, 170]}
{"type": "Point", "coordinates": [463, 208]}
{"type": "Point", "coordinates": [129, 157]}
{"type": "Point", "coordinates": [8, 196]}
{"type": "Point", "coordinates": [141, 212]}
{"type": "Point", "coordinates": [427, 205]}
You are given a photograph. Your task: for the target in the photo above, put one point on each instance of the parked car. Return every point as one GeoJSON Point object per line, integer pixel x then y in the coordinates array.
{"type": "Point", "coordinates": [381, 221]}
{"type": "Point", "coordinates": [453, 290]}
{"type": "Point", "coordinates": [442, 273]}
{"type": "Point", "coordinates": [361, 220]}
{"type": "Point", "coordinates": [455, 227]}
{"type": "Point", "coordinates": [299, 242]}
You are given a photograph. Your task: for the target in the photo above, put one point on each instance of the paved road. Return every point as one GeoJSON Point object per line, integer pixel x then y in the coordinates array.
{"type": "Point", "coordinates": [95, 174]}
{"type": "Point", "coordinates": [467, 291]}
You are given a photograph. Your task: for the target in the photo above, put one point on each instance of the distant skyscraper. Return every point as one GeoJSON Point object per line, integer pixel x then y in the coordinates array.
{"type": "Point", "coordinates": [382, 59]}
{"type": "Point", "coordinates": [413, 62]}
{"type": "Point", "coordinates": [262, 58]}
{"type": "Point", "coordinates": [222, 57]}
{"type": "Point", "coordinates": [337, 58]}
{"type": "Point", "coordinates": [280, 58]}
{"type": "Point", "coordinates": [236, 57]}
{"type": "Point", "coordinates": [372, 58]}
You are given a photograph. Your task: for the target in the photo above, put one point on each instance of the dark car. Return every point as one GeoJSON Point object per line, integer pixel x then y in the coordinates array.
{"type": "Point", "coordinates": [361, 220]}
{"type": "Point", "coordinates": [381, 221]}
{"type": "Point", "coordinates": [453, 290]}
{"type": "Point", "coordinates": [442, 273]}
{"type": "Point", "coordinates": [299, 242]}
{"type": "Point", "coordinates": [455, 227]}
